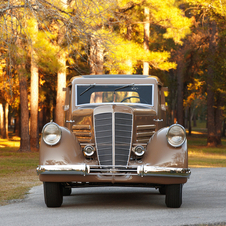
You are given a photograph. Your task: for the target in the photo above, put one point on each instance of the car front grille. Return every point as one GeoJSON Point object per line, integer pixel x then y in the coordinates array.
{"type": "Point", "coordinates": [113, 132]}
{"type": "Point", "coordinates": [103, 134]}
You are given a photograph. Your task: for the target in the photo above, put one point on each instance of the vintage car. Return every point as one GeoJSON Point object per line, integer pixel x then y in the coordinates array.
{"type": "Point", "coordinates": [115, 134]}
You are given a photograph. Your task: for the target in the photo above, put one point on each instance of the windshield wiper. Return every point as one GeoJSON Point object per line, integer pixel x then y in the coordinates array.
{"type": "Point", "coordinates": [123, 87]}
{"type": "Point", "coordinates": [90, 87]}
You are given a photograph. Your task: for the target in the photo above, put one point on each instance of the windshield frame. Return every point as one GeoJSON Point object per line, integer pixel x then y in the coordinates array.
{"type": "Point", "coordinates": [115, 84]}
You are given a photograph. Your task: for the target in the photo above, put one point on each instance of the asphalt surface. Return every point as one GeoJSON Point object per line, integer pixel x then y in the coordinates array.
{"type": "Point", "coordinates": [204, 202]}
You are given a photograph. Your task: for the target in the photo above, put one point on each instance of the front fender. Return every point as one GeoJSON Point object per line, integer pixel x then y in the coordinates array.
{"type": "Point", "coordinates": [160, 153]}
{"type": "Point", "coordinates": [67, 151]}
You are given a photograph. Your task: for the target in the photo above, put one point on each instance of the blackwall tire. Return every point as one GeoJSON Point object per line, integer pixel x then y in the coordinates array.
{"type": "Point", "coordinates": [174, 195]}
{"type": "Point", "coordinates": [53, 194]}
{"type": "Point", "coordinates": [66, 191]}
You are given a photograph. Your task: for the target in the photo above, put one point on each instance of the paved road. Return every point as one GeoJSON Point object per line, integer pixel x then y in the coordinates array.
{"type": "Point", "coordinates": [204, 201]}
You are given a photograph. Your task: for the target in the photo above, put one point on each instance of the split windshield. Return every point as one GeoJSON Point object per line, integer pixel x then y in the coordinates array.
{"type": "Point", "coordinates": [128, 93]}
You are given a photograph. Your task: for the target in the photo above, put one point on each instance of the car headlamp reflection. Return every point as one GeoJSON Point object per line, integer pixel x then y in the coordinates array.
{"type": "Point", "coordinates": [51, 133]}
{"type": "Point", "coordinates": [176, 135]}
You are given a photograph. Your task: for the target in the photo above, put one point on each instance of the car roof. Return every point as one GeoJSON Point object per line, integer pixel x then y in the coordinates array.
{"type": "Point", "coordinates": [114, 76]}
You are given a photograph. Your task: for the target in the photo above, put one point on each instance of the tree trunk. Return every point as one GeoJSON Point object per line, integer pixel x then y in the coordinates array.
{"type": "Point", "coordinates": [17, 125]}
{"type": "Point", "coordinates": [4, 128]}
{"type": "Point", "coordinates": [25, 139]}
{"type": "Point", "coordinates": [6, 121]}
{"type": "Point", "coordinates": [129, 62]}
{"type": "Point", "coordinates": [96, 57]}
{"type": "Point", "coordinates": [61, 74]}
{"type": "Point", "coordinates": [1, 119]}
{"type": "Point", "coordinates": [211, 138]}
{"type": "Point", "coordinates": [190, 120]}
{"type": "Point", "coordinates": [218, 118]}
{"type": "Point", "coordinates": [146, 39]}
{"type": "Point", "coordinates": [194, 119]}
{"type": "Point", "coordinates": [172, 100]}
{"type": "Point", "coordinates": [61, 83]}
{"type": "Point", "coordinates": [41, 119]}
{"type": "Point", "coordinates": [186, 117]}
{"type": "Point", "coordinates": [180, 93]}
{"type": "Point", "coordinates": [34, 135]}
{"type": "Point", "coordinates": [211, 141]}
{"type": "Point", "coordinates": [224, 128]}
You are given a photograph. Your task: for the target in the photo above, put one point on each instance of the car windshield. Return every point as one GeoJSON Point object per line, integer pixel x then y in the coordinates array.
{"type": "Point", "coordinates": [131, 94]}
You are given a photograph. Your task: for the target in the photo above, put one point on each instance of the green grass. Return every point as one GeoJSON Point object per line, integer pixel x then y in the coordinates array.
{"type": "Point", "coordinates": [17, 170]}
{"type": "Point", "coordinates": [199, 155]}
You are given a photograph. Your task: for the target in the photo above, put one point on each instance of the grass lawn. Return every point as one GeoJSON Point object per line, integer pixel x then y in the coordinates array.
{"type": "Point", "coordinates": [199, 155]}
{"type": "Point", "coordinates": [18, 169]}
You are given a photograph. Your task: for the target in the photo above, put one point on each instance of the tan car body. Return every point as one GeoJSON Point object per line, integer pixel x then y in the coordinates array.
{"type": "Point", "coordinates": [161, 164]}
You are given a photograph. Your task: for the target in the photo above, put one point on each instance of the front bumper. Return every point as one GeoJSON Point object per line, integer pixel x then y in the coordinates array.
{"type": "Point", "coordinates": [141, 170]}
{"type": "Point", "coordinates": [145, 170]}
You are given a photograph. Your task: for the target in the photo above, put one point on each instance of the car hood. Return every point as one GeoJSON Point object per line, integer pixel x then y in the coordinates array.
{"type": "Point", "coordinates": [119, 108]}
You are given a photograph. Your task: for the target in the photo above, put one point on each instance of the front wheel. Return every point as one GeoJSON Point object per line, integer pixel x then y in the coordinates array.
{"type": "Point", "coordinates": [53, 194]}
{"type": "Point", "coordinates": [174, 195]}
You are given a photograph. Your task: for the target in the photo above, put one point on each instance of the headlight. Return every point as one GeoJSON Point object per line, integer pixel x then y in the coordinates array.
{"type": "Point", "coordinates": [176, 135]}
{"type": "Point", "coordinates": [51, 133]}
{"type": "Point", "coordinates": [139, 150]}
{"type": "Point", "coordinates": [88, 150]}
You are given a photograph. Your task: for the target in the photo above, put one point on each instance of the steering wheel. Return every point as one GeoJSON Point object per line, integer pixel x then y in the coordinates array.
{"type": "Point", "coordinates": [128, 98]}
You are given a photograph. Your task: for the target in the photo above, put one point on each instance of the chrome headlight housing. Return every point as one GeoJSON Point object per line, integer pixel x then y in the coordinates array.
{"type": "Point", "coordinates": [176, 135]}
{"type": "Point", "coordinates": [51, 133]}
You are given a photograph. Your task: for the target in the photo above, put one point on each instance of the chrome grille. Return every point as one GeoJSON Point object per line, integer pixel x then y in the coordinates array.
{"type": "Point", "coordinates": [113, 134]}
{"type": "Point", "coordinates": [103, 134]}
{"type": "Point", "coordinates": [123, 134]}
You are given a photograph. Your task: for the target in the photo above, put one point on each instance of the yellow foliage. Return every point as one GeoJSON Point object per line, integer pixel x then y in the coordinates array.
{"type": "Point", "coordinates": [123, 51]}
{"type": "Point", "coordinates": [89, 18]}
{"type": "Point", "coordinates": [92, 13]}
{"type": "Point", "coordinates": [46, 51]}
{"type": "Point", "coordinates": [196, 93]}
{"type": "Point", "coordinates": [216, 6]}
{"type": "Point", "coordinates": [166, 14]}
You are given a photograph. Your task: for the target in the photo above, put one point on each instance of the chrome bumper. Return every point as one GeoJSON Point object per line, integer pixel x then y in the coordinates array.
{"type": "Point", "coordinates": [142, 170]}
{"type": "Point", "coordinates": [81, 169]}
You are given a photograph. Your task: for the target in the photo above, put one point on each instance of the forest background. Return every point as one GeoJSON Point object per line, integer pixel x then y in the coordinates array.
{"type": "Point", "coordinates": [44, 43]}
